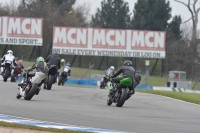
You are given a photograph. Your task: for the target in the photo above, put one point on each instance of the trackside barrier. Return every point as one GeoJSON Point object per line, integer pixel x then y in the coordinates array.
{"type": "Point", "coordinates": [97, 83]}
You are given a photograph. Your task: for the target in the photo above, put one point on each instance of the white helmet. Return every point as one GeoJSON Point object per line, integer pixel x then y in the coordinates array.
{"type": "Point", "coordinates": [112, 67]}
{"type": "Point", "coordinates": [10, 52]}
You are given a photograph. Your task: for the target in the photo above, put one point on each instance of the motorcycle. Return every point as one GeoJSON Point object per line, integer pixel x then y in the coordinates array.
{"type": "Point", "coordinates": [51, 77]}
{"type": "Point", "coordinates": [104, 81]}
{"type": "Point", "coordinates": [15, 74]}
{"type": "Point", "coordinates": [120, 93]}
{"type": "Point", "coordinates": [27, 89]}
{"type": "Point", "coordinates": [7, 70]}
{"type": "Point", "coordinates": [63, 78]}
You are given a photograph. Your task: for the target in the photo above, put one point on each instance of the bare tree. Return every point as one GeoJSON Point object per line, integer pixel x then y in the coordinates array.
{"type": "Point", "coordinates": [194, 11]}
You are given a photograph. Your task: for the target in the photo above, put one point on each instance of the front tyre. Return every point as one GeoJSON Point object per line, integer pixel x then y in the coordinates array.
{"type": "Point", "coordinates": [50, 82]}
{"type": "Point", "coordinates": [122, 98]}
{"type": "Point", "coordinates": [32, 92]}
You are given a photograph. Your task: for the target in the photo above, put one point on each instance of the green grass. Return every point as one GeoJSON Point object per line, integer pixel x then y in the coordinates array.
{"type": "Point", "coordinates": [78, 73]}
{"type": "Point", "coordinates": [7, 124]}
{"type": "Point", "coordinates": [188, 97]}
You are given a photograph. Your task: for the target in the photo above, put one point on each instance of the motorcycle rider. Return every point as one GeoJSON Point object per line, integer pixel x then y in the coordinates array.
{"type": "Point", "coordinates": [53, 59]}
{"type": "Point", "coordinates": [128, 72]}
{"type": "Point", "coordinates": [19, 67]}
{"type": "Point", "coordinates": [9, 57]}
{"type": "Point", "coordinates": [66, 71]}
{"type": "Point", "coordinates": [108, 72]}
{"type": "Point", "coordinates": [41, 71]}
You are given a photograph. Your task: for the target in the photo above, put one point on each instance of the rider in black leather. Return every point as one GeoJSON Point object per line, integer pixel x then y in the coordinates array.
{"type": "Point", "coordinates": [53, 59]}
{"type": "Point", "coordinates": [128, 72]}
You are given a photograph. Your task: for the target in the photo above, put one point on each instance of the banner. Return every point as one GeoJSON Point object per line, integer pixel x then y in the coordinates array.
{"type": "Point", "coordinates": [109, 42]}
{"type": "Point", "coordinates": [21, 31]}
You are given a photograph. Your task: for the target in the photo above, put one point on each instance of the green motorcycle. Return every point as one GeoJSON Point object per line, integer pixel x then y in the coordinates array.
{"type": "Point", "coordinates": [120, 93]}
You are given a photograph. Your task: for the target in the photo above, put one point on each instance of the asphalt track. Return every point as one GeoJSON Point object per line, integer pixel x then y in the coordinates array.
{"type": "Point", "coordinates": [142, 113]}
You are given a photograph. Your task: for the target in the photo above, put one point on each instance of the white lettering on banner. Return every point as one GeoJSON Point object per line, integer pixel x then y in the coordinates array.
{"type": "Point", "coordinates": [109, 39]}
{"type": "Point", "coordinates": [70, 37]}
{"type": "Point", "coordinates": [110, 42]}
{"type": "Point", "coordinates": [60, 35]}
{"type": "Point", "coordinates": [24, 27]}
{"type": "Point", "coordinates": [99, 37]}
{"type": "Point", "coordinates": [148, 40]}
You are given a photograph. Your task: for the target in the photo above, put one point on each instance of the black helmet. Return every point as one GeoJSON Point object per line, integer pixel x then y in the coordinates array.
{"type": "Point", "coordinates": [127, 63]}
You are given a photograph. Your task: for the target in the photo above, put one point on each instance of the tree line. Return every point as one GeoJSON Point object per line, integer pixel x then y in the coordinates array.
{"type": "Point", "coordinates": [156, 15]}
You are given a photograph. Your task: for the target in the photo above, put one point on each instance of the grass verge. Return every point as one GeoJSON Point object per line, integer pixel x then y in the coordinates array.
{"type": "Point", "coordinates": [188, 97]}
{"type": "Point", "coordinates": [7, 124]}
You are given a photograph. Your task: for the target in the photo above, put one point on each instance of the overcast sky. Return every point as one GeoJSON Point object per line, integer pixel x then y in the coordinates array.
{"type": "Point", "coordinates": [177, 8]}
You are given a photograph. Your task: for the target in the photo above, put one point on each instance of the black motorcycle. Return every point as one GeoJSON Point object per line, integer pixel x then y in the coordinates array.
{"type": "Point", "coordinates": [120, 92]}
{"type": "Point", "coordinates": [51, 76]}
{"type": "Point", "coordinates": [27, 89]}
{"type": "Point", "coordinates": [7, 70]}
{"type": "Point", "coordinates": [63, 78]}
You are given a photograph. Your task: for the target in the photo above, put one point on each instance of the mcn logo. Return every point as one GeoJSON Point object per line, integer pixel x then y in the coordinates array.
{"type": "Point", "coordinates": [109, 38]}
{"type": "Point", "coordinates": [24, 27]}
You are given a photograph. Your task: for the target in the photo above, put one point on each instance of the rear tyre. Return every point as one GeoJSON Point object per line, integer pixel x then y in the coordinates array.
{"type": "Point", "coordinates": [32, 92]}
{"type": "Point", "coordinates": [6, 75]}
{"type": "Point", "coordinates": [50, 82]}
{"type": "Point", "coordinates": [122, 98]}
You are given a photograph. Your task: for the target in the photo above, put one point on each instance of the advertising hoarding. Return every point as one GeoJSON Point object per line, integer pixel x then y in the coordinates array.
{"type": "Point", "coordinates": [109, 42]}
{"type": "Point", "coordinates": [21, 31]}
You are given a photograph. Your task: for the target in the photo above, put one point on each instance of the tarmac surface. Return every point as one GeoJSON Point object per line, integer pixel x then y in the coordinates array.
{"type": "Point", "coordinates": [80, 106]}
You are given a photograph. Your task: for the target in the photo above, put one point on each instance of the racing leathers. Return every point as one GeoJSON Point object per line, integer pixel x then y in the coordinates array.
{"type": "Point", "coordinates": [8, 58]}
{"type": "Point", "coordinates": [53, 60]}
{"type": "Point", "coordinates": [66, 71]}
{"type": "Point", "coordinates": [41, 71]}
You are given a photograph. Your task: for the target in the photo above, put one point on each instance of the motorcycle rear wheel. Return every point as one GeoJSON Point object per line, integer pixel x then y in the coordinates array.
{"type": "Point", "coordinates": [121, 100]}
{"type": "Point", "coordinates": [31, 93]}
{"type": "Point", "coordinates": [6, 75]}
{"type": "Point", "coordinates": [50, 82]}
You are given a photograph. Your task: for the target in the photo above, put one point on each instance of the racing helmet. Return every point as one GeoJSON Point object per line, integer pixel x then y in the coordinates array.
{"type": "Point", "coordinates": [127, 63]}
{"type": "Point", "coordinates": [10, 52]}
{"type": "Point", "coordinates": [40, 59]}
{"type": "Point", "coordinates": [112, 67]}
